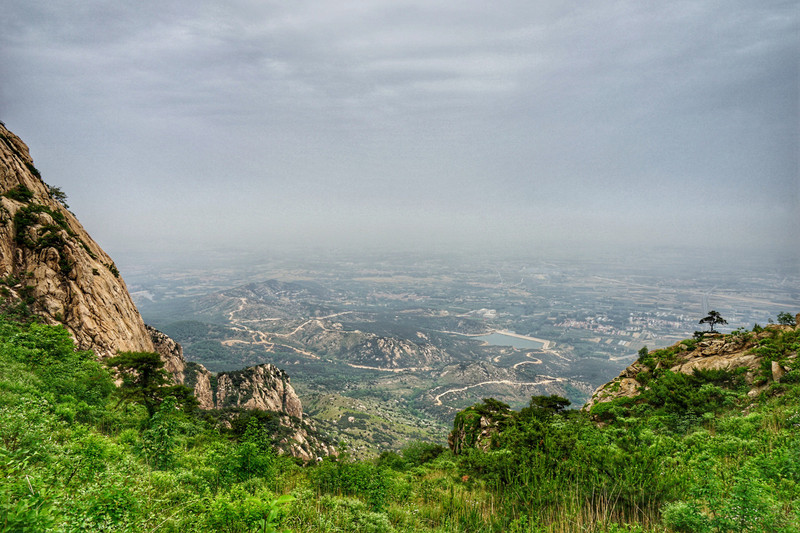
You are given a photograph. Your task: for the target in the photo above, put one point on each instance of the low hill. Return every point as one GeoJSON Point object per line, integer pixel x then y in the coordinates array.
{"type": "Point", "coordinates": [748, 358]}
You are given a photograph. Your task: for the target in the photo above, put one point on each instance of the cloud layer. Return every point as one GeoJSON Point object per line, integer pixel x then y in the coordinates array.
{"type": "Point", "coordinates": [199, 124]}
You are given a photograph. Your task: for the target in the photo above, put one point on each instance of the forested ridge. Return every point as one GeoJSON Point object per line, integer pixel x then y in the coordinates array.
{"type": "Point", "coordinates": [696, 452]}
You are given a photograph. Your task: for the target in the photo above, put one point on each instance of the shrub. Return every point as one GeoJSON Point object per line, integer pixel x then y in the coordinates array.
{"type": "Point", "coordinates": [20, 193]}
{"type": "Point", "coordinates": [58, 195]}
{"type": "Point", "coordinates": [34, 170]}
{"type": "Point", "coordinates": [113, 269]}
{"type": "Point", "coordinates": [354, 479]}
{"type": "Point", "coordinates": [418, 453]}
{"type": "Point", "coordinates": [690, 344]}
{"type": "Point", "coordinates": [791, 377]}
{"type": "Point", "coordinates": [684, 517]}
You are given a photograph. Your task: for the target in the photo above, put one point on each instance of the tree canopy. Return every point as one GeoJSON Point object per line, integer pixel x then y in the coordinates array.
{"type": "Point", "coordinates": [713, 319]}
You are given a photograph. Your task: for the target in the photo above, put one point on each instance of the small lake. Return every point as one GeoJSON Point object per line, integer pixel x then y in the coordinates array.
{"type": "Point", "coordinates": [498, 339]}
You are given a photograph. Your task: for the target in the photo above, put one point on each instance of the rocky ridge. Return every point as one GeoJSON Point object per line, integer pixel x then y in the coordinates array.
{"type": "Point", "coordinates": [713, 352]}
{"type": "Point", "coordinates": [51, 267]}
{"type": "Point", "coordinates": [263, 387]}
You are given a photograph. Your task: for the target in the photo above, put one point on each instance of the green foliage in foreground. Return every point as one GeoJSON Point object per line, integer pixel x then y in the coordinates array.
{"type": "Point", "coordinates": [694, 455]}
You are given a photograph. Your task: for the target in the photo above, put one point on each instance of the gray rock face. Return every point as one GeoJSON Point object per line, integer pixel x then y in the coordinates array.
{"type": "Point", "coordinates": [263, 387]}
{"type": "Point", "coordinates": [171, 353]}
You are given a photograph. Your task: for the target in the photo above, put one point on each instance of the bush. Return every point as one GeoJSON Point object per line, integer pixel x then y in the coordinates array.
{"type": "Point", "coordinates": [791, 377]}
{"type": "Point", "coordinates": [19, 193]}
{"type": "Point", "coordinates": [418, 453]}
{"type": "Point", "coordinates": [353, 479]}
{"type": "Point", "coordinates": [683, 517]}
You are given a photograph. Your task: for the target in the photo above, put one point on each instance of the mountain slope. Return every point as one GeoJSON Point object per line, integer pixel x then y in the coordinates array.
{"type": "Point", "coordinates": [50, 263]}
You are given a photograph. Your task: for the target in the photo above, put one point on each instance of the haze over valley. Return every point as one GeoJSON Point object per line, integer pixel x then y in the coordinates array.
{"type": "Point", "coordinates": [389, 347]}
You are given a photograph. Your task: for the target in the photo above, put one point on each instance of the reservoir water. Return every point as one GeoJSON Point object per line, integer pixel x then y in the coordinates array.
{"type": "Point", "coordinates": [499, 339]}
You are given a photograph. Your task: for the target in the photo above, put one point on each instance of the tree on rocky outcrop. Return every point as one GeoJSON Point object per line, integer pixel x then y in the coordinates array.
{"type": "Point", "coordinates": [490, 406]}
{"type": "Point", "coordinates": [58, 195]}
{"type": "Point", "coordinates": [642, 353]}
{"type": "Point", "coordinates": [713, 319]}
{"type": "Point", "coordinates": [786, 319]}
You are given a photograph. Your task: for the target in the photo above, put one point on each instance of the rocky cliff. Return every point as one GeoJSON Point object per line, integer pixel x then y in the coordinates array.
{"type": "Point", "coordinates": [260, 388]}
{"type": "Point", "coordinates": [53, 268]}
{"type": "Point", "coordinates": [739, 351]}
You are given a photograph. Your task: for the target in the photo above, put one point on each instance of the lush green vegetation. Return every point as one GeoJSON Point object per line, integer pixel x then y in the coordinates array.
{"type": "Point", "coordinates": [79, 454]}
{"type": "Point", "coordinates": [692, 453]}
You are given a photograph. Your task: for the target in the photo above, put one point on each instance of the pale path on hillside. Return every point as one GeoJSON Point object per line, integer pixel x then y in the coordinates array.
{"type": "Point", "coordinates": [318, 320]}
{"type": "Point", "coordinates": [264, 338]}
{"type": "Point", "coordinates": [438, 397]}
{"type": "Point", "coordinates": [533, 361]}
{"type": "Point", "coordinates": [242, 303]}
{"type": "Point", "coordinates": [381, 369]}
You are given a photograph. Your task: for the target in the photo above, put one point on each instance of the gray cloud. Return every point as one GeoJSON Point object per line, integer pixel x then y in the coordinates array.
{"type": "Point", "coordinates": [205, 123]}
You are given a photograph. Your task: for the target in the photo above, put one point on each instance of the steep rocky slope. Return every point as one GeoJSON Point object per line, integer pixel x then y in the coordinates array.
{"type": "Point", "coordinates": [51, 267]}
{"type": "Point", "coordinates": [49, 262]}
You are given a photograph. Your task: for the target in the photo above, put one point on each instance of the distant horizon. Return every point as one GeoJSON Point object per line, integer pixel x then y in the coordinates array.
{"type": "Point", "coordinates": [684, 261]}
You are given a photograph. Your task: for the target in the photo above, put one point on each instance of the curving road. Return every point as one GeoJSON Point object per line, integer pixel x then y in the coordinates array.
{"type": "Point", "coordinates": [437, 399]}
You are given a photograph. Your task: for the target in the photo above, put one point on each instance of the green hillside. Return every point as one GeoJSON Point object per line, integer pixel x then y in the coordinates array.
{"type": "Point", "coordinates": [691, 453]}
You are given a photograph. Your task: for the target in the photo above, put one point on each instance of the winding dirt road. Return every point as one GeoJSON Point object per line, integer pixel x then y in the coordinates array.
{"type": "Point", "coordinates": [437, 399]}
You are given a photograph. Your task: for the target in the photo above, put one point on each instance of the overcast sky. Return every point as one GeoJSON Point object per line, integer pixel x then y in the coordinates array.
{"type": "Point", "coordinates": [191, 124]}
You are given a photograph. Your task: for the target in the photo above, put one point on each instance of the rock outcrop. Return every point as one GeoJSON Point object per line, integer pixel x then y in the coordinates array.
{"type": "Point", "coordinates": [714, 352]}
{"type": "Point", "coordinates": [51, 265]}
{"type": "Point", "coordinates": [262, 387]}
{"type": "Point", "coordinates": [477, 426]}
{"type": "Point", "coordinates": [171, 353]}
